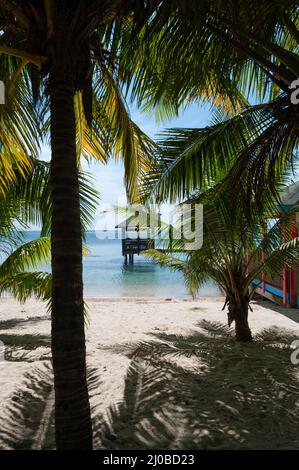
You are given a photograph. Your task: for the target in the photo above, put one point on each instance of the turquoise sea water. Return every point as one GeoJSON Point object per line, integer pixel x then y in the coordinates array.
{"type": "Point", "coordinates": [105, 274]}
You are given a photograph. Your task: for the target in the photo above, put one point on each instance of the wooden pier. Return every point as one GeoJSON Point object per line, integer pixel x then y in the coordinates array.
{"type": "Point", "coordinates": [134, 245]}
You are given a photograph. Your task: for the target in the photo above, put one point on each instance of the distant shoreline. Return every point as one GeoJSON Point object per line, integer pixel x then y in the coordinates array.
{"type": "Point", "coordinates": [137, 298]}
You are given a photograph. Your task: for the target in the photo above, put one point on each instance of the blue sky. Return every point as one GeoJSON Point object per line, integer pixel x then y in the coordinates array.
{"type": "Point", "coordinates": [109, 178]}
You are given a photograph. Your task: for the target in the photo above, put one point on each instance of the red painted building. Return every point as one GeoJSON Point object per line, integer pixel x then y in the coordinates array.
{"type": "Point", "coordinates": [284, 288]}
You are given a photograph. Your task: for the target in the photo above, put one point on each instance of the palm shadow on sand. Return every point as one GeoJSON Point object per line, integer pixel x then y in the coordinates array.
{"type": "Point", "coordinates": [199, 391]}
{"type": "Point", "coordinates": [17, 322]}
{"type": "Point", "coordinates": [230, 396]}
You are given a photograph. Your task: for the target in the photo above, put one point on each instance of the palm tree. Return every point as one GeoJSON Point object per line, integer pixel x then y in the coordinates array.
{"type": "Point", "coordinates": [224, 47]}
{"type": "Point", "coordinates": [64, 54]}
{"type": "Point", "coordinates": [228, 51]}
{"type": "Point", "coordinates": [231, 255]}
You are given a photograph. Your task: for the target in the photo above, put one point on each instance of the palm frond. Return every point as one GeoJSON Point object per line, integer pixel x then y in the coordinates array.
{"type": "Point", "coordinates": [26, 257]}
{"type": "Point", "coordinates": [253, 149]}
{"type": "Point", "coordinates": [126, 139]}
{"type": "Point", "coordinates": [24, 285]}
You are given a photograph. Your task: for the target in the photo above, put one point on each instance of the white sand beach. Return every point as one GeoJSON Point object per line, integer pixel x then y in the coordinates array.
{"type": "Point", "coordinates": [118, 380]}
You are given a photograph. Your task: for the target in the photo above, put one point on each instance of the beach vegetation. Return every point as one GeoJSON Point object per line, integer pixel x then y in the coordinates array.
{"type": "Point", "coordinates": [236, 254]}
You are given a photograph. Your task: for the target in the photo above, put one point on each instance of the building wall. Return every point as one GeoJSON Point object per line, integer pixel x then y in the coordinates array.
{"type": "Point", "coordinates": [273, 287]}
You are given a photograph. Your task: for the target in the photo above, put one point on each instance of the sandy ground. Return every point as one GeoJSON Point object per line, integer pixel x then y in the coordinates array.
{"type": "Point", "coordinates": [198, 390]}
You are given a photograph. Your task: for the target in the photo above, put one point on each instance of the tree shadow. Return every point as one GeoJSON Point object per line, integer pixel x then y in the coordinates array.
{"type": "Point", "coordinates": [205, 391]}
{"type": "Point", "coordinates": [15, 322]}
{"type": "Point", "coordinates": [27, 417]}
{"type": "Point", "coordinates": [28, 341]}
{"type": "Point", "coordinates": [198, 391]}
{"type": "Point", "coordinates": [28, 347]}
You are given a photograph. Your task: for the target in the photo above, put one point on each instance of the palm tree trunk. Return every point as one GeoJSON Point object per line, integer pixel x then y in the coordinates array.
{"type": "Point", "coordinates": [242, 330]}
{"type": "Point", "coordinates": [238, 313]}
{"type": "Point", "coordinates": [72, 409]}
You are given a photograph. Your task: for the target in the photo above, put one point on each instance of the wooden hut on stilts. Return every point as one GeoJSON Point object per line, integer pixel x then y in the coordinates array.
{"type": "Point", "coordinates": [132, 242]}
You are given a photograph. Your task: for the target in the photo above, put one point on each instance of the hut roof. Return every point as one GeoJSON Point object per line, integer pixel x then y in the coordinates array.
{"type": "Point", "coordinates": [132, 223]}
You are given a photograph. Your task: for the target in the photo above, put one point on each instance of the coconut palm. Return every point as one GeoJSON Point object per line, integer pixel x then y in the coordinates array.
{"type": "Point", "coordinates": [247, 149]}
{"type": "Point", "coordinates": [227, 51]}
{"type": "Point", "coordinates": [231, 255]}
{"type": "Point", "coordinates": [65, 57]}
{"type": "Point", "coordinates": [222, 46]}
